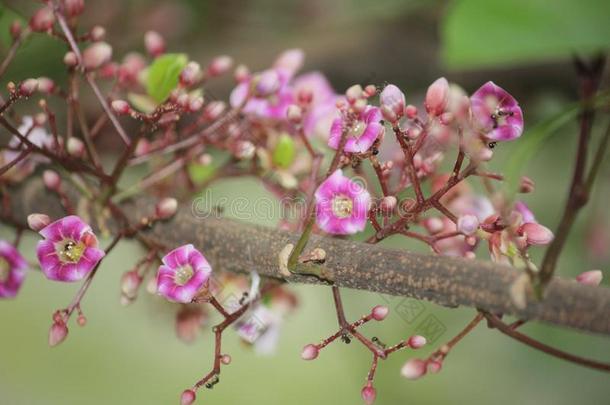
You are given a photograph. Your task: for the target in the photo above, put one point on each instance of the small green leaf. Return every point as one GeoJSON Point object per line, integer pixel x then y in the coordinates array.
{"type": "Point", "coordinates": [141, 102]}
{"type": "Point", "coordinates": [162, 76]}
{"type": "Point", "coordinates": [283, 154]}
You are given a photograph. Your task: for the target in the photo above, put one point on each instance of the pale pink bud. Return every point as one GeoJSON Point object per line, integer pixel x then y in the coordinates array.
{"type": "Point", "coordinates": [413, 369]}
{"type": "Point", "coordinates": [437, 97]}
{"type": "Point", "coordinates": [188, 397]}
{"type": "Point", "coordinates": [75, 147]}
{"type": "Point", "coordinates": [73, 8]}
{"type": "Point", "coordinates": [220, 65]}
{"type": "Point", "coordinates": [242, 73]}
{"type": "Point", "coordinates": [394, 99]}
{"type": "Point", "coordinates": [467, 224]}
{"type": "Point", "coordinates": [310, 352]}
{"type": "Point", "coordinates": [96, 55]}
{"type": "Point", "coordinates": [130, 282]}
{"type": "Point", "coordinates": [526, 185]}
{"type": "Point", "coordinates": [27, 87]}
{"type": "Point", "coordinates": [45, 85]}
{"type": "Point", "coordinates": [42, 20]}
{"type": "Point", "coordinates": [166, 208]}
{"type": "Point", "coordinates": [354, 93]}
{"type": "Point", "coordinates": [190, 74]}
{"type": "Point", "coordinates": [370, 90]}
{"type": "Point", "coordinates": [182, 100]}
{"type": "Point", "coordinates": [38, 221]}
{"type": "Point", "coordinates": [51, 179]}
{"type": "Point", "coordinates": [360, 105]}
{"type": "Point", "coordinates": [57, 333]}
{"type": "Point", "coordinates": [411, 111]}
{"type": "Point", "coordinates": [368, 394]}
{"type": "Point", "coordinates": [267, 83]}
{"type": "Point", "coordinates": [97, 33]}
{"type": "Point", "coordinates": [290, 60]}
{"type": "Point", "coordinates": [535, 233]}
{"type": "Point", "coordinates": [225, 359]}
{"type": "Point", "coordinates": [388, 114]}
{"type": "Point", "coordinates": [416, 341]}
{"type": "Point", "coordinates": [434, 224]}
{"type": "Point", "coordinates": [214, 110]}
{"type": "Point", "coordinates": [591, 277]}
{"type": "Point", "coordinates": [195, 103]}
{"type": "Point", "coordinates": [70, 59]}
{"type": "Point", "coordinates": [121, 107]}
{"type": "Point", "coordinates": [245, 150]}
{"type": "Point", "coordinates": [388, 203]}
{"type": "Point", "coordinates": [154, 43]}
{"type": "Point", "coordinates": [380, 312]}
{"type": "Point", "coordinates": [15, 29]}
{"type": "Point", "coordinates": [294, 113]}
{"type": "Point", "coordinates": [434, 366]}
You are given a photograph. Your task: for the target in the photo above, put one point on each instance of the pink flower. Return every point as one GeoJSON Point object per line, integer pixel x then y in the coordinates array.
{"type": "Point", "coordinates": [591, 277]}
{"type": "Point", "coordinates": [341, 205]}
{"type": "Point", "coordinates": [413, 369]}
{"type": "Point", "coordinates": [183, 273]}
{"type": "Point", "coordinates": [269, 98]}
{"type": "Point", "coordinates": [12, 270]}
{"type": "Point", "coordinates": [362, 134]}
{"type": "Point", "coordinates": [69, 251]}
{"type": "Point", "coordinates": [437, 97]}
{"type": "Point", "coordinates": [497, 113]}
{"type": "Point", "coordinates": [321, 108]}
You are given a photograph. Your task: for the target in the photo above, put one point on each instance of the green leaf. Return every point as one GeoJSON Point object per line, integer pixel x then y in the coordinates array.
{"type": "Point", "coordinates": [484, 33]}
{"type": "Point", "coordinates": [283, 154]}
{"type": "Point", "coordinates": [141, 102]}
{"type": "Point", "coordinates": [162, 76]}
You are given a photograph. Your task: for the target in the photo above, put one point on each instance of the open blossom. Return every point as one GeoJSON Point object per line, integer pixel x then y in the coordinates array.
{"type": "Point", "coordinates": [12, 270]}
{"type": "Point", "coordinates": [183, 273]}
{"type": "Point", "coordinates": [497, 113]}
{"type": "Point", "coordinates": [69, 249]}
{"type": "Point", "coordinates": [362, 133]}
{"type": "Point", "coordinates": [341, 205]}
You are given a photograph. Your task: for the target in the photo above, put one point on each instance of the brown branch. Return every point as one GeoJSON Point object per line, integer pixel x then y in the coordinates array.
{"type": "Point", "coordinates": [240, 247]}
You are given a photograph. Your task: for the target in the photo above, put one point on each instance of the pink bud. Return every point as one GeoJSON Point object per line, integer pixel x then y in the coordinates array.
{"type": "Point", "coordinates": [388, 114]}
{"type": "Point", "coordinates": [38, 221]}
{"type": "Point", "coordinates": [434, 366]}
{"type": "Point", "coordinates": [190, 74]}
{"type": "Point", "coordinates": [467, 224]}
{"type": "Point", "coordinates": [413, 369]}
{"type": "Point", "coordinates": [225, 359]}
{"type": "Point", "coordinates": [70, 59]}
{"type": "Point", "coordinates": [195, 103]}
{"type": "Point", "coordinates": [188, 397]}
{"type": "Point", "coordinates": [51, 179]}
{"type": "Point", "coordinates": [535, 233]}
{"type": "Point", "coordinates": [166, 208]}
{"type": "Point", "coordinates": [214, 110]}
{"type": "Point", "coordinates": [96, 55]}
{"type": "Point", "coordinates": [411, 111]}
{"type": "Point", "coordinates": [73, 8]}
{"type": "Point", "coordinates": [591, 277]}
{"type": "Point", "coordinates": [354, 93]}
{"type": "Point", "coordinates": [388, 203]}
{"type": "Point", "coordinates": [393, 99]}
{"type": "Point", "coordinates": [380, 312]}
{"type": "Point", "coordinates": [45, 85]}
{"type": "Point", "coordinates": [154, 43]}
{"type": "Point", "coordinates": [437, 97]}
{"type": "Point", "coordinates": [416, 341]}
{"type": "Point", "coordinates": [27, 87]}
{"type": "Point", "coordinates": [242, 73]}
{"type": "Point", "coordinates": [220, 65]}
{"type": "Point", "coordinates": [130, 282]}
{"type": "Point", "coordinates": [370, 90]}
{"type": "Point", "coordinates": [42, 20]}
{"type": "Point", "coordinates": [290, 60]}
{"type": "Point", "coordinates": [57, 333]}
{"type": "Point", "coordinates": [15, 29]}
{"type": "Point", "coordinates": [294, 113]}
{"type": "Point", "coordinates": [97, 33]}
{"type": "Point", "coordinates": [121, 107]}
{"type": "Point", "coordinates": [75, 147]}
{"type": "Point", "coordinates": [267, 83]}
{"type": "Point", "coordinates": [368, 394]}
{"type": "Point", "coordinates": [310, 352]}
{"type": "Point", "coordinates": [434, 224]}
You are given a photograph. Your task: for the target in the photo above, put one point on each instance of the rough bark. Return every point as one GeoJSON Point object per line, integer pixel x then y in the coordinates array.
{"type": "Point", "coordinates": [242, 247]}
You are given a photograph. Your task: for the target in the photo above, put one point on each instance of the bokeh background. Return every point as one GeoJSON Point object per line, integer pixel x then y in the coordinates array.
{"type": "Point", "coordinates": [131, 355]}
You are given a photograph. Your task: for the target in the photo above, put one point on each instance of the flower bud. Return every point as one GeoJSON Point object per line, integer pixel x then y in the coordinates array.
{"type": "Point", "coordinates": [130, 282]}
{"type": "Point", "coordinates": [411, 111]}
{"type": "Point", "coordinates": [72, 8]}
{"type": "Point", "coordinates": [388, 203]}
{"type": "Point", "coordinates": [267, 83]}
{"type": "Point", "coordinates": [166, 208]}
{"type": "Point", "coordinates": [535, 233]}
{"type": "Point", "coordinates": [121, 107]}
{"type": "Point", "coordinates": [15, 29]}
{"type": "Point", "coordinates": [413, 369]}
{"type": "Point", "coordinates": [380, 312]}
{"type": "Point", "coordinates": [51, 179]}
{"type": "Point", "coordinates": [38, 221]}
{"type": "Point", "coordinates": [388, 114]}
{"type": "Point", "coordinates": [27, 87]}
{"type": "Point", "coordinates": [368, 394]}
{"type": "Point", "coordinates": [190, 74]}
{"type": "Point", "coordinates": [242, 73]}
{"type": "Point", "coordinates": [393, 99]}
{"type": "Point", "coordinates": [225, 359]}
{"type": "Point", "coordinates": [188, 397]}
{"type": "Point", "coordinates": [81, 320]}
{"type": "Point", "coordinates": [214, 110]}
{"type": "Point", "coordinates": [416, 341]}
{"type": "Point", "coordinates": [57, 333]}
{"type": "Point", "coordinates": [310, 352]}
{"type": "Point", "coordinates": [370, 90]}
{"type": "Point", "coordinates": [70, 59]}
{"type": "Point", "coordinates": [437, 97]}
{"type": "Point", "coordinates": [96, 55]}
{"type": "Point", "coordinates": [353, 93]}
{"type": "Point", "coordinates": [154, 43]}
{"type": "Point", "coordinates": [45, 85]}
{"type": "Point", "coordinates": [245, 150]}
{"type": "Point", "coordinates": [42, 20]}
{"type": "Point", "coordinates": [294, 113]}
{"type": "Point", "coordinates": [97, 33]}
{"type": "Point", "coordinates": [220, 65]}
{"type": "Point", "coordinates": [290, 60]}
{"type": "Point", "coordinates": [75, 147]}
{"type": "Point", "coordinates": [434, 366]}
{"type": "Point", "coordinates": [195, 103]}
{"type": "Point", "coordinates": [591, 277]}
{"type": "Point", "coordinates": [467, 224]}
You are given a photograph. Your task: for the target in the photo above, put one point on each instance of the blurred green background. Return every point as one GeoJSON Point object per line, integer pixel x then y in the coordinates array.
{"type": "Point", "coordinates": [131, 355]}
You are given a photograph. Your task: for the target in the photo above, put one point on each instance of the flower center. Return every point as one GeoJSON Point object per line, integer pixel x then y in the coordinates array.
{"type": "Point", "coordinates": [5, 270]}
{"type": "Point", "coordinates": [183, 275]}
{"type": "Point", "coordinates": [342, 206]}
{"type": "Point", "coordinates": [357, 129]}
{"type": "Point", "coordinates": [70, 251]}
